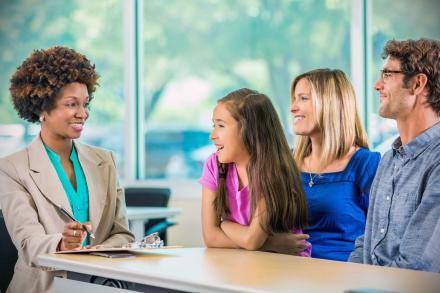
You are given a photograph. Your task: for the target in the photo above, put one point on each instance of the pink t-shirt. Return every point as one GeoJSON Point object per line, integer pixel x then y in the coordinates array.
{"type": "Point", "coordinates": [238, 200]}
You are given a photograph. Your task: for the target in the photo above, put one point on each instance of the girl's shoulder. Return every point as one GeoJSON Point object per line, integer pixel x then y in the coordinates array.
{"type": "Point", "coordinates": [211, 161]}
{"type": "Point", "coordinates": [210, 168]}
{"type": "Point", "coordinates": [209, 174]}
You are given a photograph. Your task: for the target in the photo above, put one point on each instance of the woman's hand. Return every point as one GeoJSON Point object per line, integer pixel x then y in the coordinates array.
{"type": "Point", "coordinates": [286, 243]}
{"type": "Point", "coordinates": [73, 236]}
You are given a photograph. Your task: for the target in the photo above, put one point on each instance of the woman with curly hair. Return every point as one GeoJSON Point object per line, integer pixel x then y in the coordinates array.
{"type": "Point", "coordinates": [54, 87]}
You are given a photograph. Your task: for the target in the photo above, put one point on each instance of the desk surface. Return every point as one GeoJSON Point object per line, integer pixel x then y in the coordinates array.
{"type": "Point", "coordinates": [145, 213]}
{"type": "Point", "coordinates": [236, 270]}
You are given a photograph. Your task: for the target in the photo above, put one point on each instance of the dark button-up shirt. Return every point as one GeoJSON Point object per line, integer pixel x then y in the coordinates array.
{"type": "Point", "coordinates": [403, 222]}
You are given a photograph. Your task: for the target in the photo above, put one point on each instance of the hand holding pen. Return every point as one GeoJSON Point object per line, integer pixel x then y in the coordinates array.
{"type": "Point", "coordinates": [74, 232]}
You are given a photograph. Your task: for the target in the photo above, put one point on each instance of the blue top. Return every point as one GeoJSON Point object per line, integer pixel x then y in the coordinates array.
{"type": "Point", "coordinates": [403, 226]}
{"type": "Point", "coordinates": [79, 198]}
{"type": "Point", "coordinates": [337, 205]}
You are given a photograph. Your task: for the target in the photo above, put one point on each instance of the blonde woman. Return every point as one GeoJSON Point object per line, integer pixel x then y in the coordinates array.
{"type": "Point", "coordinates": [337, 168]}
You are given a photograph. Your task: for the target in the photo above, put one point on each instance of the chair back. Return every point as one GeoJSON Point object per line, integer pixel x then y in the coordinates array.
{"type": "Point", "coordinates": [8, 256]}
{"type": "Point", "coordinates": [147, 196]}
{"type": "Point", "coordinates": [151, 197]}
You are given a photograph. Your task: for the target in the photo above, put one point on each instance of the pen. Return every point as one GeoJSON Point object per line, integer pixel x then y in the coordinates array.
{"type": "Point", "coordinates": [65, 212]}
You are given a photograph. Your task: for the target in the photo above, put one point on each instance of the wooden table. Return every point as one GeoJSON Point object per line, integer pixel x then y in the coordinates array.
{"type": "Point", "coordinates": [236, 270]}
{"type": "Point", "coordinates": [139, 216]}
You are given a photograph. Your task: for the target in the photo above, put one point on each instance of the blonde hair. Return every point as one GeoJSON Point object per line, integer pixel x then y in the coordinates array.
{"type": "Point", "coordinates": [336, 114]}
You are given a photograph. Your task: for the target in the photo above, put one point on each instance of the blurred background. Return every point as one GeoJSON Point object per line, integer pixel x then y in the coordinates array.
{"type": "Point", "coordinates": [164, 64]}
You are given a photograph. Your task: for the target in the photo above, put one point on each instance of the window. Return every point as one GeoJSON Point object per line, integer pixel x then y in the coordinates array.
{"type": "Point", "coordinates": [93, 28]}
{"type": "Point", "coordinates": [193, 54]}
{"type": "Point", "coordinates": [196, 52]}
{"type": "Point", "coordinates": [399, 20]}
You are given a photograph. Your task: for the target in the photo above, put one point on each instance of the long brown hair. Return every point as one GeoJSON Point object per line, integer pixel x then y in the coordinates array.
{"type": "Point", "coordinates": [272, 172]}
{"type": "Point", "coordinates": [336, 113]}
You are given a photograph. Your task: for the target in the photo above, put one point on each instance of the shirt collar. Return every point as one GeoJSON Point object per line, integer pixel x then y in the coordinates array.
{"type": "Point", "coordinates": [54, 156]}
{"type": "Point", "coordinates": [417, 145]}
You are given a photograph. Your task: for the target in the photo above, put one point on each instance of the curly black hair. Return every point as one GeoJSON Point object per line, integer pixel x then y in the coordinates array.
{"type": "Point", "coordinates": [38, 80]}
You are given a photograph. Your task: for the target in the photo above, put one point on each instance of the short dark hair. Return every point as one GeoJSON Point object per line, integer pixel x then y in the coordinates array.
{"type": "Point", "coordinates": [419, 56]}
{"type": "Point", "coordinates": [38, 80]}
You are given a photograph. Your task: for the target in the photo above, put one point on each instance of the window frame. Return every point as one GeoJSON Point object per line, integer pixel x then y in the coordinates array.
{"type": "Point", "coordinates": [360, 45]}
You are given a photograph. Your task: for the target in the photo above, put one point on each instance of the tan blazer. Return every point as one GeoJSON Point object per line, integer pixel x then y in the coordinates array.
{"type": "Point", "coordinates": [30, 193]}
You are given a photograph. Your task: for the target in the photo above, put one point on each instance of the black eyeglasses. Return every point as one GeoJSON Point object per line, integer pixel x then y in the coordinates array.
{"type": "Point", "coordinates": [386, 73]}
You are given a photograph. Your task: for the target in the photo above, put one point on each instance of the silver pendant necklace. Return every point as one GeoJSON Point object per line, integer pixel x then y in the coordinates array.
{"type": "Point", "coordinates": [311, 182]}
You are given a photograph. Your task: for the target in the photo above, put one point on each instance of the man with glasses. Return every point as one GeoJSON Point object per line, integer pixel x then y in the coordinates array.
{"type": "Point", "coordinates": [403, 222]}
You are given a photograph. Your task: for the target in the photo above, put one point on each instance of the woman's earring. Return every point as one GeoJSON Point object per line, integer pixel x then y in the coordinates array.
{"type": "Point", "coordinates": [42, 118]}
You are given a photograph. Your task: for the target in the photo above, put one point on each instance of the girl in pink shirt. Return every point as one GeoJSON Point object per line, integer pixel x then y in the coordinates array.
{"type": "Point", "coordinates": [252, 194]}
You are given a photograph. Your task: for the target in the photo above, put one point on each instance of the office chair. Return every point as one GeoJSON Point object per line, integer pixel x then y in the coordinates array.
{"type": "Point", "coordinates": [8, 256]}
{"type": "Point", "coordinates": [151, 197]}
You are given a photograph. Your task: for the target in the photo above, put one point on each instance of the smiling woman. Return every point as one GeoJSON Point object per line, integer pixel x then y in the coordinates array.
{"type": "Point", "coordinates": [332, 153]}
{"type": "Point", "coordinates": [70, 112]}
{"type": "Point", "coordinates": [55, 172]}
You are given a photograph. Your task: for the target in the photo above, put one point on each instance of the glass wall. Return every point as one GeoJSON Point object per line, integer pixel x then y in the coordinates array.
{"type": "Point", "coordinates": [196, 52]}
{"type": "Point", "coordinates": [400, 20]}
{"type": "Point", "coordinates": [93, 28]}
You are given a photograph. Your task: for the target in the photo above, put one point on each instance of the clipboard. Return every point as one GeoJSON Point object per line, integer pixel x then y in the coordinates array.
{"type": "Point", "coordinates": [116, 249]}
{"type": "Point", "coordinates": [113, 254]}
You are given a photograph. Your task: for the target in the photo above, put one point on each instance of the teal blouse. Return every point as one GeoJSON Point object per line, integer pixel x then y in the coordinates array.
{"type": "Point", "coordinates": [79, 198]}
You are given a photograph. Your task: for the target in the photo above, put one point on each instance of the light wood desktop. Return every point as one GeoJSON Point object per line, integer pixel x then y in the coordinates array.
{"type": "Point", "coordinates": [139, 216]}
{"type": "Point", "coordinates": [235, 270]}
